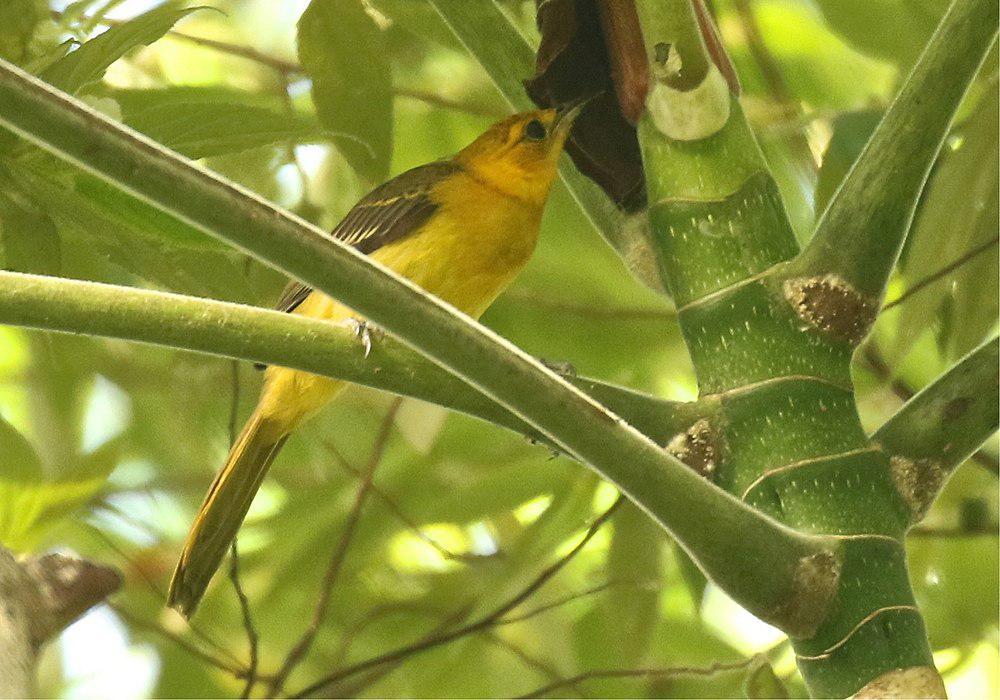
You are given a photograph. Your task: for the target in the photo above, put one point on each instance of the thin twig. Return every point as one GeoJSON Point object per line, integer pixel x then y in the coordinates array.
{"type": "Point", "coordinates": [381, 672]}
{"type": "Point", "coordinates": [298, 652]}
{"type": "Point", "coordinates": [938, 274]}
{"type": "Point", "coordinates": [951, 533]}
{"type": "Point", "coordinates": [234, 559]}
{"type": "Point", "coordinates": [532, 662]}
{"type": "Point", "coordinates": [158, 593]}
{"type": "Point", "coordinates": [178, 640]}
{"type": "Point", "coordinates": [639, 673]}
{"type": "Point", "coordinates": [877, 364]}
{"type": "Point", "coordinates": [559, 602]}
{"type": "Point", "coordinates": [480, 110]}
{"type": "Point", "coordinates": [398, 511]}
{"type": "Point", "coordinates": [251, 631]}
{"type": "Point", "coordinates": [480, 624]}
{"type": "Point", "coordinates": [354, 630]}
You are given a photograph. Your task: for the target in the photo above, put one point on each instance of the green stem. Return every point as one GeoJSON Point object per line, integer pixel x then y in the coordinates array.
{"type": "Point", "coordinates": [758, 561]}
{"type": "Point", "coordinates": [249, 333]}
{"type": "Point", "coordinates": [773, 356]}
{"type": "Point", "coordinates": [859, 236]}
{"type": "Point", "coordinates": [942, 426]}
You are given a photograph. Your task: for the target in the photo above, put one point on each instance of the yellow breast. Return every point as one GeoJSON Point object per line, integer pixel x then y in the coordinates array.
{"type": "Point", "coordinates": [471, 249]}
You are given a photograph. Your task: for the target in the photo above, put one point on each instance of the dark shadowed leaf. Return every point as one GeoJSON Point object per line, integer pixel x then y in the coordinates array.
{"type": "Point", "coordinates": [851, 132]}
{"type": "Point", "coordinates": [29, 239]}
{"type": "Point", "coordinates": [958, 213]}
{"type": "Point", "coordinates": [573, 64]}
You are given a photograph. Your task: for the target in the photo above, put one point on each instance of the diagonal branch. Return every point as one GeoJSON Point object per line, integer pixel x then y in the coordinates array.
{"type": "Point", "coordinates": [942, 426]}
{"type": "Point", "coordinates": [859, 236]}
{"type": "Point", "coordinates": [755, 559]}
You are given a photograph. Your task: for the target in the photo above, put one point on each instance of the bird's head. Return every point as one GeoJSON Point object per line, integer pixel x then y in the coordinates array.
{"type": "Point", "coordinates": [519, 155]}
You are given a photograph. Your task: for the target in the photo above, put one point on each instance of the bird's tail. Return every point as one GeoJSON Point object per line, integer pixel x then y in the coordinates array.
{"type": "Point", "coordinates": [224, 508]}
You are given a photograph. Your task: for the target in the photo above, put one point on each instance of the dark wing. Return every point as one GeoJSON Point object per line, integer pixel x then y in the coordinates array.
{"type": "Point", "coordinates": [386, 214]}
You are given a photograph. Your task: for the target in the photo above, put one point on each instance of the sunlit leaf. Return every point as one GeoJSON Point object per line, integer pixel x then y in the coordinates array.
{"type": "Point", "coordinates": [199, 125]}
{"type": "Point", "coordinates": [31, 504]}
{"type": "Point", "coordinates": [864, 24]}
{"type": "Point", "coordinates": [341, 49]}
{"type": "Point", "coordinates": [88, 63]}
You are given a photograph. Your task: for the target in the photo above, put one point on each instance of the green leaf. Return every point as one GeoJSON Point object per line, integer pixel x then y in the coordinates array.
{"type": "Point", "coordinates": [221, 121]}
{"type": "Point", "coordinates": [815, 64]}
{"type": "Point", "coordinates": [865, 24]}
{"type": "Point", "coordinates": [342, 51]}
{"type": "Point", "coordinates": [99, 223]}
{"type": "Point", "coordinates": [30, 505]}
{"type": "Point", "coordinates": [958, 213]}
{"type": "Point", "coordinates": [17, 22]}
{"type": "Point", "coordinates": [860, 234]}
{"type": "Point", "coordinates": [851, 131]}
{"type": "Point", "coordinates": [762, 682]}
{"type": "Point", "coordinates": [635, 555]}
{"type": "Point", "coordinates": [18, 460]}
{"type": "Point", "coordinates": [417, 18]}
{"type": "Point", "coordinates": [75, 194]}
{"type": "Point", "coordinates": [88, 63]}
{"type": "Point", "coordinates": [29, 238]}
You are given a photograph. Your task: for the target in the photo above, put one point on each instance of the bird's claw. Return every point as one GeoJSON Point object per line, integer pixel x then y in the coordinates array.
{"type": "Point", "coordinates": [364, 331]}
{"type": "Point", "coordinates": [566, 369]}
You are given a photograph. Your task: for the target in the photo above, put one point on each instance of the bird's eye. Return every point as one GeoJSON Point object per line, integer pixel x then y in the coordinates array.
{"type": "Point", "coordinates": [534, 131]}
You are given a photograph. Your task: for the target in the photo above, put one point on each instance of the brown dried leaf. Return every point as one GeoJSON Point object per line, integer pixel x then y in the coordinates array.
{"type": "Point", "coordinates": [573, 63]}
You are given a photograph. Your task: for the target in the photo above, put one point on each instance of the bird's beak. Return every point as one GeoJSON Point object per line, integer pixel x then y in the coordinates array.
{"type": "Point", "coordinates": [567, 113]}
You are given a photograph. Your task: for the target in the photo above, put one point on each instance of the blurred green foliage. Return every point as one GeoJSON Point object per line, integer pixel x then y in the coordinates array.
{"type": "Point", "coordinates": [108, 447]}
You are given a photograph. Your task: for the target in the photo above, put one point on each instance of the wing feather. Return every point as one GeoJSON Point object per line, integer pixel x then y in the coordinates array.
{"type": "Point", "coordinates": [388, 213]}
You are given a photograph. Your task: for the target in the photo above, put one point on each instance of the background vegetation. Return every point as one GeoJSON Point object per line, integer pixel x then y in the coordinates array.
{"type": "Point", "coordinates": [108, 446]}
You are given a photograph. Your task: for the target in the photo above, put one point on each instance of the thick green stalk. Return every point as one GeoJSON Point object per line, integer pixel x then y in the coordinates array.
{"type": "Point", "coordinates": [758, 561]}
{"type": "Point", "coordinates": [772, 353]}
{"type": "Point", "coordinates": [860, 235]}
{"type": "Point", "coordinates": [263, 335]}
{"type": "Point", "coordinates": [942, 426]}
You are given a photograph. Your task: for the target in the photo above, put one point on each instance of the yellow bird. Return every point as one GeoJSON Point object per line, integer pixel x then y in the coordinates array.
{"type": "Point", "coordinates": [460, 228]}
